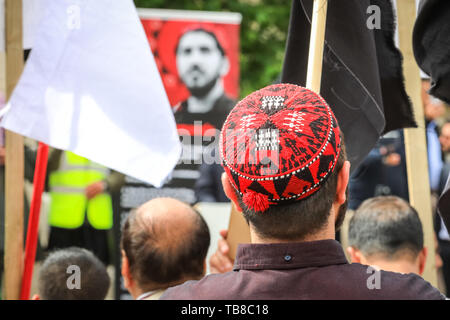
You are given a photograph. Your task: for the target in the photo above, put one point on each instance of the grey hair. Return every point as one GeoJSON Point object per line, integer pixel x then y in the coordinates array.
{"type": "Point", "coordinates": [53, 276]}
{"type": "Point", "coordinates": [386, 225]}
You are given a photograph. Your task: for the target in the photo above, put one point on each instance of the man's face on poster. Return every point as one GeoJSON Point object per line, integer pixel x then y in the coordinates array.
{"type": "Point", "coordinates": [200, 62]}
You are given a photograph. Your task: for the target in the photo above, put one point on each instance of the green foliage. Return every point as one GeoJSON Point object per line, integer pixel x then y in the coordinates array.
{"type": "Point", "coordinates": [263, 34]}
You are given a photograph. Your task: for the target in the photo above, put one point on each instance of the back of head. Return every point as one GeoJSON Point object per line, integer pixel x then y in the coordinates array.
{"type": "Point", "coordinates": [434, 108]}
{"type": "Point", "coordinates": [282, 150]}
{"type": "Point", "coordinates": [73, 274]}
{"type": "Point", "coordinates": [444, 136]}
{"type": "Point", "coordinates": [386, 226]}
{"type": "Point", "coordinates": [165, 242]}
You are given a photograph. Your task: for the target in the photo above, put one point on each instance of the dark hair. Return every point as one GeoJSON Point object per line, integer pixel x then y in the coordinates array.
{"type": "Point", "coordinates": [56, 270]}
{"type": "Point", "coordinates": [386, 225]}
{"type": "Point", "coordinates": [219, 46]}
{"type": "Point", "coordinates": [298, 219]}
{"type": "Point", "coordinates": [152, 262]}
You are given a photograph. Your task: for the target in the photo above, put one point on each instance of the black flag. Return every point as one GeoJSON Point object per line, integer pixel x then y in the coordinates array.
{"type": "Point", "coordinates": [362, 77]}
{"type": "Point", "coordinates": [444, 204]}
{"type": "Point", "coordinates": [431, 44]}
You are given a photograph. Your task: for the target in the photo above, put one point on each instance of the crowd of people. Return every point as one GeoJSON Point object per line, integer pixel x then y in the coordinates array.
{"type": "Point", "coordinates": [289, 178]}
{"type": "Point", "coordinates": [293, 210]}
{"type": "Point", "coordinates": [282, 165]}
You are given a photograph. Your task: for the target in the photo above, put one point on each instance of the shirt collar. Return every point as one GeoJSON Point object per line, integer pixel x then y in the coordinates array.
{"type": "Point", "coordinates": [289, 255]}
{"type": "Point", "coordinates": [148, 294]}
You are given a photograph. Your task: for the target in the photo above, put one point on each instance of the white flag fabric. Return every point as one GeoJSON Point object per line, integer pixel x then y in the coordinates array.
{"type": "Point", "coordinates": [91, 86]}
{"type": "Point", "coordinates": [31, 15]}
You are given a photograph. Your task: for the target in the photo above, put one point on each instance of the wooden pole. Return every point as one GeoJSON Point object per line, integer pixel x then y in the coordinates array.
{"type": "Point", "coordinates": [238, 230]}
{"type": "Point", "coordinates": [14, 159]}
{"type": "Point", "coordinates": [316, 44]}
{"type": "Point", "coordinates": [415, 139]}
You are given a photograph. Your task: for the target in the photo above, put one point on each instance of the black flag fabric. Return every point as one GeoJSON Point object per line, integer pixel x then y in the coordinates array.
{"type": "Point", "coordinates": [362, 76]}
{"type": "Point", "coordinates": [431, 44]}
{"type": "Point", "coordinates": [444, 204]}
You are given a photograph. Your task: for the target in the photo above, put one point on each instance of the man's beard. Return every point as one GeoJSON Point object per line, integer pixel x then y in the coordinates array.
{"type": "Point", "coordinates": [202, 91]}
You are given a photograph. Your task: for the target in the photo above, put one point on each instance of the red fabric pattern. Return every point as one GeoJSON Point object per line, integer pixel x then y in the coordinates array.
{"type": "Point", "coordinates": [278, 144]}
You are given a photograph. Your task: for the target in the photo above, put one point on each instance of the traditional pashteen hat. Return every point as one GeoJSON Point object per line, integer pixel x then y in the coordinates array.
{"type": "Point", "coordinates": [279, 144]}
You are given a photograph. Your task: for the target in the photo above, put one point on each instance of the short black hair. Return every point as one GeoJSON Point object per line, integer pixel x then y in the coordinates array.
{"type": "Point", "coordinates": [151, 263]}
{"type": "Point", "coordinates": [219, 46]}
{"type": "Point", "coordinates": [297, 219]}
{"type": "Point", "coordinates": [386, 225]}
{"type": "Point", "coordinates": [54, 274]}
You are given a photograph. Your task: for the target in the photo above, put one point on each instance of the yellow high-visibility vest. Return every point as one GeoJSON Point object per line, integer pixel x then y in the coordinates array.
{"type": "Point", "coordinates": [69, 203]}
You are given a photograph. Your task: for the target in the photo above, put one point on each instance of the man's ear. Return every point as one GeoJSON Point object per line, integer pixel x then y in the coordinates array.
{"type": "Point", "coordinates": [422, 259]}
{"type": "Point", "coordinates": [342, 183]}
{"type": "Point", "coordinates": [354, 254]}
{"type": "Point", "coordinates": [126, 274]}
{"type": "Point", "coordinates": [230, 192]}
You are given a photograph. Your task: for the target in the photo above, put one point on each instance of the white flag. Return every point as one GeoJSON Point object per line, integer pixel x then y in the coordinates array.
{"type": "Point", "coordinates": [91, 86]}
{"type": "Point", "coordinates": [31, 15]}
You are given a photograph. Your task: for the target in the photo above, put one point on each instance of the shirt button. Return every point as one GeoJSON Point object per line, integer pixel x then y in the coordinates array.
{"type": "Point", "coordinates": [287, 258]}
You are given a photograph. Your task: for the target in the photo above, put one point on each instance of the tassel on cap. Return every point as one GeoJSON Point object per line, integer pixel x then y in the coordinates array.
{"type": "Point", "coordinates": [256, 201]}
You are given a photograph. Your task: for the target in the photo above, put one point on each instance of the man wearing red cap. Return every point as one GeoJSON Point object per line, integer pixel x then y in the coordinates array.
{"type": "Point", "coordinates": [286, 171]}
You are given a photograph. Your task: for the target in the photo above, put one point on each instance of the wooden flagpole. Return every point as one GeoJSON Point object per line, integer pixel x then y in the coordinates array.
{"type": "Point", "coordinates": [316, 44]}
{"type": "Point", "coordinates": [14, 160]}
{"type": "Point", "coordinates": [415, 139]}
{"type": "Point", "coordinates": [238, 230]}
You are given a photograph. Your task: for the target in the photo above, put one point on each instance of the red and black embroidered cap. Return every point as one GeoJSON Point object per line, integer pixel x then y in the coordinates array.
{"type": "Point", "coordinates": [279, 144]}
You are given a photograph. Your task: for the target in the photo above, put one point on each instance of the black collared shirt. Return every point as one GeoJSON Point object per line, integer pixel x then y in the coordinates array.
{"type": "Point", "coordinates": [305, 270]}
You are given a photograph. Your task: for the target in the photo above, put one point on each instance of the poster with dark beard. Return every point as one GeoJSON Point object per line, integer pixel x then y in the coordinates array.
{"type": "Point", "coordinates": [197, 55]}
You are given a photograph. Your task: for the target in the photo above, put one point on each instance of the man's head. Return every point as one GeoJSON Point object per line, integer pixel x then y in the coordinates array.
{"type": "Point", "coordinates": [444, 137]}
{"type": "Point", "coordinates": [201, 61]}
{"type": "Point", "coordinates": [164, 243]}
{"type": "Point", "coordinates": [433, 108]}
{"type": "Point", "coordinates": [72, 274]}
{"type": "Point", "coordinates": [386, 231]}
{"type": "Point", "coordinates": [285, 166]}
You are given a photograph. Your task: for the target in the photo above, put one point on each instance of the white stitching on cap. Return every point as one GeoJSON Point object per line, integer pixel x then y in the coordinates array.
{"type": "Point", "coordinates": [295, 121]}
{"type": "Point", "coordinates": [272, 102]}
{"type": "Point", "coordinates": [267, 139]}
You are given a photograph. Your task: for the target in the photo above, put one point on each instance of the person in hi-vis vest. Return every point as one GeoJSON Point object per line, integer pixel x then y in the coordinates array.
{"type": "Point", "coordinates": [81, 211]}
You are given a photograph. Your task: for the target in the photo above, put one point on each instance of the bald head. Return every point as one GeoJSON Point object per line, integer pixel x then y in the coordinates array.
{"type": "Point", "coordinates": [433, 107]}
{"type": "Point", "coordinates": [165, 242]}
{"type": "Point", "coordinates": [444, 137]}
{"type": "Point", "coordinates": [168, 213]}
{"type": "Point", "coordinates": [170, 221]}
